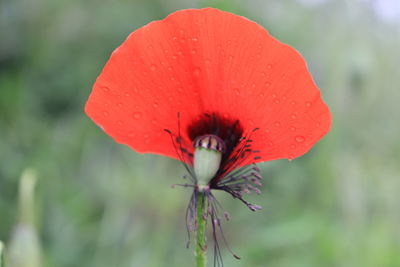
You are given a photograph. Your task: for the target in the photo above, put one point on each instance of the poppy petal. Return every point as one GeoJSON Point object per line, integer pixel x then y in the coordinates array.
{"type": "Point", "coordinates": [207, 60]}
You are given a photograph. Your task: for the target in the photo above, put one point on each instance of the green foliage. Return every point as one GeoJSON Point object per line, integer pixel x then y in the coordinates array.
{"type": "Point", "coordinates": [100, 204]}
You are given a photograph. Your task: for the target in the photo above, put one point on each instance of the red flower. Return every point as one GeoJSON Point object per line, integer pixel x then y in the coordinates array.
{"type": "Point", "coordinates": [226, 91]}
{"type": "Point", "coordinates": [208, 61]}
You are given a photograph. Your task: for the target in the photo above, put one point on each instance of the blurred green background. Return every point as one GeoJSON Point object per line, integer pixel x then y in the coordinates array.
{"type": "Point", "coordinates": [98, 203]}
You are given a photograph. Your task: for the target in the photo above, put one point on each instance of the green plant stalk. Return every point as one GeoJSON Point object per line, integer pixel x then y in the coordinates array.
{"type": "Point", "coordinates": [2, 264]}
{"type": "Point", "coordinates": [201, 231]}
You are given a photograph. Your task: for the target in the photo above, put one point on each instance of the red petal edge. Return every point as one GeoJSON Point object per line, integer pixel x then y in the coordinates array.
{"type": "Point", "coordinates": [207, 60]}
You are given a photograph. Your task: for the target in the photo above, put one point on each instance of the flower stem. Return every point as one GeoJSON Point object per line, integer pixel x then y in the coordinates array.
{"type": "Point", "coordinates": [201, 228]}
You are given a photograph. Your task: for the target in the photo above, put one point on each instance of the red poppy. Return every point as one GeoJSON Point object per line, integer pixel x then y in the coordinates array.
{"type": "Point", "coordinates": [215, 80]}
{"type": "Point", "coordinates": [208, 61]}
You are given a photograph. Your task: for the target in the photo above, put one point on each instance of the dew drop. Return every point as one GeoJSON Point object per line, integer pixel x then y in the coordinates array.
{"type": "Point", "coordinates": [180, 89]}
{"type": "Point", "coordinates": [127, 94]}
{"type": "Point", "coordinates": [170, 98]}
{"type": "Point", "coordinates": [105, 89]}
{"type": "Point", "coordinates": [174, 57]}
{"type": "Point", "coordinates": [155, 105]}
{"type": "Point", "coordinates": [105, 113]}
{"type": "Point", "coordinates": [292, 146]}
{"type": "Point", "coordinates": [153, 67]}
{"type": "Point", "coordinates": [180, 53]}
{"type": "Point", "coordinates": [193, 51]}
{"type": "Point", "coordinates": [277, 124]}
{"type": "Point", "coordinates": [299, 139]}
{"type": "Point", "coordinates": [137, 115]}
{"type": "Point", "coordinates": [293, 129]}
{"type": "Point", "coordinates": [237, 91]}
{"type": "Point", "coordinates": [194, 39]}
{"type": "Point", "coordinates": [262, 95]}
{"type": "Point", "coordinates": [196, 72]}
{"type": "Point", "coordinates": [263, 74]}
{"type": "Point", "coordinates": [131, 135]}
{"type": "Point", "coordinates": [318, 124]}
{"type": "Point", "coordinates": [169, 68]}
{"type": "Point", "coordinates": [120, 123]}
{"type": "Point", "coordinates": [269, 66]}
{"type": "Point", "coordinates": [147, 141]}
{"type": "Point", "coordinates": [207, 61]}
{"type": "Point", "coordinates": [293, 116]}
{"type": "Point", "coordinates": [277, 101]}
{"type": "Point", "coordinates": [267, 84]}
{"type": "Point", "coordinates": [308, 104]}
{"type": "Point", "coordinates": [273, 95]}
{"type": "Point", "coordinates": [230, 57]}
{"type": "Point", "coordinates": [293, 102]}
{"type": "Point", "coordinates": [119, 105]}
{"type": "Point", "coordinates": [154, 121]}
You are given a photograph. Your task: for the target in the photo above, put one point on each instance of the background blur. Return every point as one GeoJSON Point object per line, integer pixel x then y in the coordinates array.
{"type": "Point", "coordinates": [98, 203]}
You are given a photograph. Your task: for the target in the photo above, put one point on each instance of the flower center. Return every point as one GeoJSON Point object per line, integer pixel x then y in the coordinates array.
{"type": "Point", "coordinates": [207, 158]}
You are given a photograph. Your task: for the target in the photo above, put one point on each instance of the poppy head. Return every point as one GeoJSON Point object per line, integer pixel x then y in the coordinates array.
{"type": "Point", "coordinates": [222, 89]}
{"type": "Point", "coordinates": [223, 74]}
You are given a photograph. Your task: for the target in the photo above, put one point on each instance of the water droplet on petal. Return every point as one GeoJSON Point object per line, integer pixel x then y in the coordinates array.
{"type": "Point", "coordinates": [230, 57]}
{"type": "Point", "coordinates": [318, 124]}
{"type": "Point", "coordinates": [263, 74]}
{"type": "Point", "coordinates": [131, 135]}
{"type": "Point", "coordinates": [105, 89]}
{"type": "Point", "coordinates": [169, 68]}
{"type": "Point", "coordinates": [262, 95]}
{"type": "Point", "coordinates": [155, 105]}
{"type": "Point", "coordinates": [269, 66]}
{"type": "Point", "coordinates": [196, 71]}
{"type": "Point", "coordinates": [277, 124]}
{"type": "Point", "coordinates": [105, 113]}
{"type": "Point", "coordinates": [120, 123]}
{"type": "Point", "coordinates": [293, 129]}
{"type": "Point", "coordinates": [137, 115]}
{"type": "Point", "coordinates": [153, 67]}
{"type": "Point", "coordinates": [273, 95]}
{"type": "Point", "coordinates": [180, 90]}
{"type": "Point", "coordinates": [127, 94]}
{"type": "Point", "coordinates": [207, 61]}
{"type": "Point", "coordinates": [237, 91]}
{"type": "Point", "coordinates": [180, 53]}
{"type": "Point", "coordinates": [170, 98]}
{"type": "Point", "coordinates": [267, 84]}
{"type": "Point", "coordinates": [277, 101]}
{"type": "Point", "coordinates": [154, 121]}
{"type": "Point", "coordinates": [193, 51]}
{"type": "Point", "coordinates": [308, 104]}
{"type": "Point", "coordinates": [299, 139]}
{"type": "Point", "coordinates": [194, 39]}
{"type": "Point", "coordinates": [293, 116]}
{"type": "Point", "coordinates": [292, 146]}
{"type": "Point", "coordinates": [119, 104]}
{"type": "Point", "coordinates": [293, 102]}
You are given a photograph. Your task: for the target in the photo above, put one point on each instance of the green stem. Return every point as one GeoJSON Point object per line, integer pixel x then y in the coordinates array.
{"type": "Point", "coordinates": [201, 230]}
